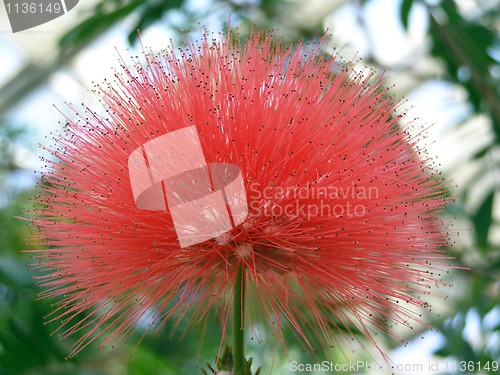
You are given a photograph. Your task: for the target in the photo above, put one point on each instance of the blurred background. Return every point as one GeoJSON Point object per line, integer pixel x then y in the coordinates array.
{"type": "Point", "coordinates": [442, 56]}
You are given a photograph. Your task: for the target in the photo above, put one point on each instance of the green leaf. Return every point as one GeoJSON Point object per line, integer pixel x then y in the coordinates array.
{"type": "Point", "coordinates": [482, 220]}
{"type": "Point", "coordinates": [482, 152]}
{"type": "Point", "coordinates": [464, 45]}
{"type": "Point", "coordinates": [95, 25]}
{"type": "Point", "coordinates": [405, 12]}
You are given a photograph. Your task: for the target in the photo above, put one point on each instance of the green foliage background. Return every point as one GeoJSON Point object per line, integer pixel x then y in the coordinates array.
{"type": "Point", "coordinates": [466, 45]}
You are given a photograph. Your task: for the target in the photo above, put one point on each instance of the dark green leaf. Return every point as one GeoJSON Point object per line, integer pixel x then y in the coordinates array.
{"type": "Point", "coordinates": [482, 220]}
{"type": "Point", "coordinates": [405, 12]}
{"type": "Point", "coordinates": [152, 13]}
{"type": "Point", "coordinates": [482, 152]}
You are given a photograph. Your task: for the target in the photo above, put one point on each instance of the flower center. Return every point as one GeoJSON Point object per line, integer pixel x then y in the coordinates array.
{"type": "Point", "coordinates": [244, 250]}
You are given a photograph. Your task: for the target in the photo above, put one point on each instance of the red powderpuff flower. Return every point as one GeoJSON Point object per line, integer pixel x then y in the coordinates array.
{"type": "Point", "coordinates": [339, 228]}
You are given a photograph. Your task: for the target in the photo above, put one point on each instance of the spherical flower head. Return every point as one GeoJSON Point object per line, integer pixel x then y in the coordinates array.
{"type": "Point", "coordinates": [282, 161]}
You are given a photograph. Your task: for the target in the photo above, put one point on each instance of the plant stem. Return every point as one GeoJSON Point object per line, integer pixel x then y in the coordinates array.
{"type": "Point", "coordinates": [239, 324]}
